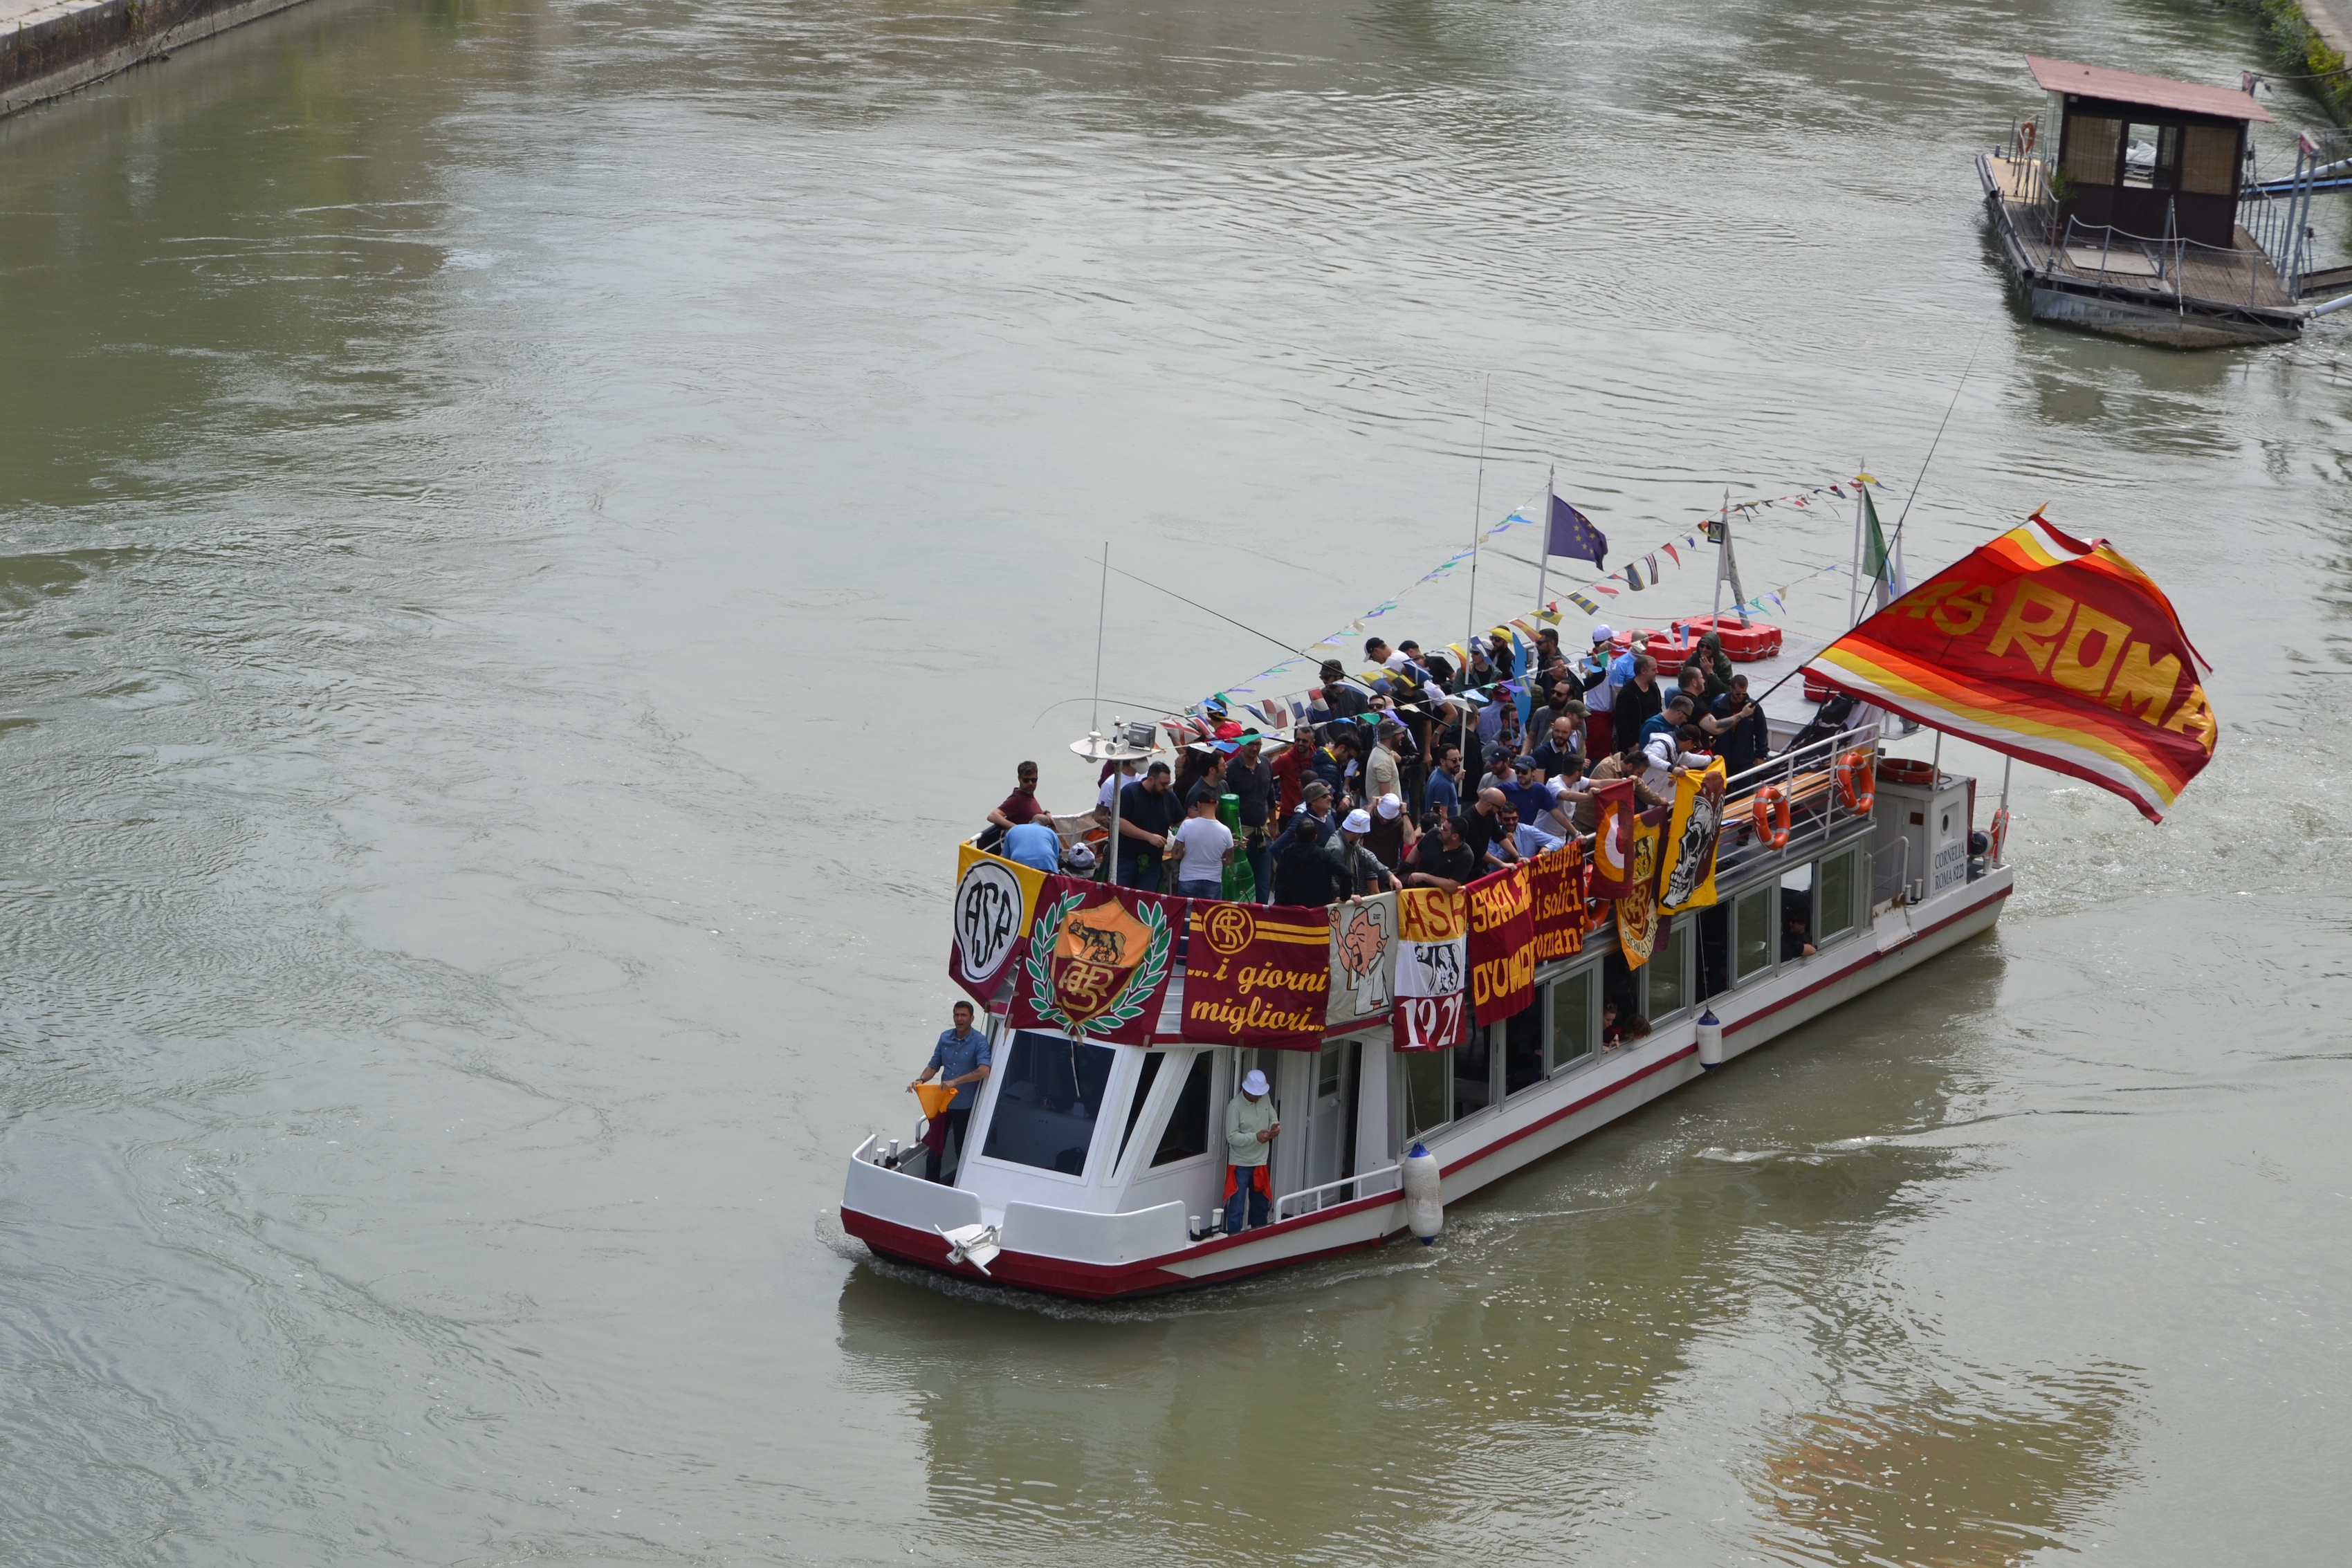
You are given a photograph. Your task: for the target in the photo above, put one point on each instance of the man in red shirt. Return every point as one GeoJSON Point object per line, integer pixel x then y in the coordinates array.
{"type": "Point", "coordinates": [1290, 772]}
{"type": "Point", "coordinates": [1021, 806]}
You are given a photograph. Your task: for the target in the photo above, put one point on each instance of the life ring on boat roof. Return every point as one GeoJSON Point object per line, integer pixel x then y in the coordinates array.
{"type": "Point", "coordinates": [1854, 785]}
{"type": "Point", "coordinates": [1906, 771]}
{"type": "Point", "coordinates": [1997, 839]}
{"type": "Point", "coordinates": [1771, 811]}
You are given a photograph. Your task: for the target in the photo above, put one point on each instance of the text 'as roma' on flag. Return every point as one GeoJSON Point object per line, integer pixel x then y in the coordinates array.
{"type": "Point", "coordinates": [2046, 649]}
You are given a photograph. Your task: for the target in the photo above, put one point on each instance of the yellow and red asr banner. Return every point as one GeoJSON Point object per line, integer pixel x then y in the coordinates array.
{"type": "Point", "coordinates": [2046, 649]}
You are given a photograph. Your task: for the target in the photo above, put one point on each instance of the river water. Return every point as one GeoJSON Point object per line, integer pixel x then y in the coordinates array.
{"type": "Point", "coordinates": [530, 528]}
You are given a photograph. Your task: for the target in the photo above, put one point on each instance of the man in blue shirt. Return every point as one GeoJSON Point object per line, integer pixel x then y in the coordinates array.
{"type": "Point", "coordinates": [1033, 843]}
{"type": "Point", "coordinates": [960, 1061]}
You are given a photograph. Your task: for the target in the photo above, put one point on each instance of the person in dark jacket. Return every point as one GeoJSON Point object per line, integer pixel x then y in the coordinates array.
{"type": "Point", "coordinates": [1251, 777]}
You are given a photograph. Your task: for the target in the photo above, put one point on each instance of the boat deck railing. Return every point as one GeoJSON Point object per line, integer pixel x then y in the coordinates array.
{"type": "Point", "coordinates": [1346, 1189]}
{"type": "Point", "coordinates": [1819, 812]}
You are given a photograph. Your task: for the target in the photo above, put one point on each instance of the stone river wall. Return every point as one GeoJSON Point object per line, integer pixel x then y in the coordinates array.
{"type": "Point", "coordinates": [49, 49]}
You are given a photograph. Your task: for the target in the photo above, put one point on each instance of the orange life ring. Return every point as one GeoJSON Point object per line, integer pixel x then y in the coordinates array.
{"type": "Point", "coordinates": [1906, 771]}
{"type": "Point", "coordinates": [1854, 783]}
{"type": "Point", "coordinates": [2027, 139]}
{"type": "Point", "coordinates": [1771, 812]}
{"type": "Point", "coordinates": [1999, 838]}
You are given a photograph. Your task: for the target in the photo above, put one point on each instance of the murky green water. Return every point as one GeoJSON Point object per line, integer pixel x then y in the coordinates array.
{"type": "Point", "coordinates": [529, 528]}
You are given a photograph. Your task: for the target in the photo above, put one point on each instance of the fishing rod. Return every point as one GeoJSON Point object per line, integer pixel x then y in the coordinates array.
{"type": "Point", "coordinates": [1955, 404]}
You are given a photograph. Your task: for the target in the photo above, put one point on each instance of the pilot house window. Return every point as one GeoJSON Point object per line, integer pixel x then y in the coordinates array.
{"type": "Point", "coordinates": [1046, 1105]}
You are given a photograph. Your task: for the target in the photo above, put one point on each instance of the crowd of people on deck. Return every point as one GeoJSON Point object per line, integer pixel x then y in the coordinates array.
{"type": "Point", "coordinates": [1422, 775]}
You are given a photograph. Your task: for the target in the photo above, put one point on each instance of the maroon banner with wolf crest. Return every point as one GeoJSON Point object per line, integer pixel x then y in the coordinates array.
{"type": "Point", "coordinates": [1096, 963]}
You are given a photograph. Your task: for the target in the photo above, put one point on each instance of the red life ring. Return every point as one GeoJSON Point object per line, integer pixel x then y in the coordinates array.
{"type": "Point", "coordinates": [2026, 136]}
{"type": "Point", "coordinates": [1771, 813]}
{"type": "Point", "coordinates": [1999, 838]}
{"type": "Point", "coordinates": [1854, 785]}
{"type": "Point", "coordinates": [1906, 771]}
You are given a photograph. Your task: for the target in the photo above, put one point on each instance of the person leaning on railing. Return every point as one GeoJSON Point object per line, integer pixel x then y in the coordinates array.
{"type": "Point", "coordinates": [1626, 763]}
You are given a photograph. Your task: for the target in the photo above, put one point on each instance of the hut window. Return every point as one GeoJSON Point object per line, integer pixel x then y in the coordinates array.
{"type": "Point", "coordinates": [2091, 148]}
{"type": "Point", "coordinates": [2209, 160]}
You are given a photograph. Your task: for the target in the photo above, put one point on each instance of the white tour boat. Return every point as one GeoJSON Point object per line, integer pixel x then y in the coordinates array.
{"type": "Point", "coordinates": [1098, 1171]}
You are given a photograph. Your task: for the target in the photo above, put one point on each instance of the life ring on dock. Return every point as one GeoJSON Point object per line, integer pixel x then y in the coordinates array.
{"type": "Point", "coordinates": [1997, 838]}
{"type": "Point", "coordinates": [1771, 811]}
{"type": "Point", "coordinates": [1854, 783]}
{"type": "Point", "coordinates": [2025, 140]}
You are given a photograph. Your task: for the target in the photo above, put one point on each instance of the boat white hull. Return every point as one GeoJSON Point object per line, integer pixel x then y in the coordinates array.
{"type": "Point", "coordinates": [1099, 1257]}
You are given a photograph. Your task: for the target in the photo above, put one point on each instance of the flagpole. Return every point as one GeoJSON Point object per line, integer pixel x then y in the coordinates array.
{"type": "Point", "coordinates": [1478, 517]}
{"type": "Point", "coordinates": [1477, 534]}
{"type": "Point", "coordinates": [1102, 607]}
{"type": "Point", "coordinates": [1543, 558]}
{"type": "Point", "coordinates": [1722, 544]}
{"type": "Point", "coordinates": [1853, 572]}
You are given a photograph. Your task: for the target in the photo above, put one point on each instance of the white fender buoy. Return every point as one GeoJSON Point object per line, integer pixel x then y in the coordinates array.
{"type": "Point", "coordinates": [1424, 1207]}
{"type": "Point", "coordinates": [1710, 1041]}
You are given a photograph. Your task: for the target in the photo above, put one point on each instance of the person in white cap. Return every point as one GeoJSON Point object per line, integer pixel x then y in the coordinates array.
{"type": "Point", "coordinates": [1365, 871]}
{"type": "Point", "coordinates": [1599, 692]}
{"type": "Point", "coordinates": [1393, 835]}
{"type": "Point", "coordinates": [1250, 1132]}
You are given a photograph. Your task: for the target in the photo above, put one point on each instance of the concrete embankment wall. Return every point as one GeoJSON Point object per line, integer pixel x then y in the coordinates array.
{"type": "Point", "coordinates": [49, 50]}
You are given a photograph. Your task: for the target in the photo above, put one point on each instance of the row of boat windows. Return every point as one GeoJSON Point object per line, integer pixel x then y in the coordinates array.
{"type": "Point", "coordinates": [1740, 942]}
{"type": "Point", "coordinates": [1051, 1089]}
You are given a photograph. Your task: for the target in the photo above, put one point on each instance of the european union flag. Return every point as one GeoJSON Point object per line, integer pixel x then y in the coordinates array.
{"type": "Point", "coordinates": [1573, 534]}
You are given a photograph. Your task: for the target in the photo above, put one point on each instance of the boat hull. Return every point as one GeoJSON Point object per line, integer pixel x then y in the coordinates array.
{"type": "Point", "coordinates": [901, 1218]}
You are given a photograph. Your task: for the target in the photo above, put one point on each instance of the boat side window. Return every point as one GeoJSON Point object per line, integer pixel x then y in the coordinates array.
{"type": "Point", "coordinates": [1796, 923]}
{"type": "Point", "coordinates": [1187, 1124]}
{"type": "Point", "coordinates": [1754, 932]}
{"type": "Point", "coordinates": [1143, 1083]}
{"type": "Point", "coordinates": [1575, 1008]}
{"type": "Point", "coordinates": [1474, 1073]}
{"type": "Point", "coordinates": [1669, 969]}
{"type": "Point", "coordinates": [1424, 1091]}
{"type": "Point", "coordinates": [1522, 1048]}
{"type": "Point", "coordinates": [1046, 1105]}
{"type": "Point", "coordinates": [1621, 985]}
{"type": "Point", "coordinates": [1714, 951]}
{"type": "Point", "coordinates": [1833, 903]}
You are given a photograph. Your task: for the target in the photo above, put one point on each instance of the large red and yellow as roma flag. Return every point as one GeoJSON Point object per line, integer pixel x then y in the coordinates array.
{"type": "Point", "coordinates": [2046, 649]}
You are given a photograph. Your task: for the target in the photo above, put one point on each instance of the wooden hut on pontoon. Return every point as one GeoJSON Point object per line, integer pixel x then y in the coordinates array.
{"type": "Point", "coordinates": [2130, 208]}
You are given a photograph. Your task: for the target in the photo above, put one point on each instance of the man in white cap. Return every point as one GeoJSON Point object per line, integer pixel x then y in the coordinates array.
{"type": "Point", "coordinates": [1365, 871]}
{"type": "Point", "coordinates": [1600, 692]}
{"type": "Point", "coordinates": [1250, 1130]}
{"type": "Point", "coordinates": [1393, 835]}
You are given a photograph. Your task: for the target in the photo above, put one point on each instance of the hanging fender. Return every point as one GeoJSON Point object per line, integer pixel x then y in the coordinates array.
{"type": "Point", "coordinates": [1771, 812]}
{"type": "Point", "coordinates": [1855, 784]}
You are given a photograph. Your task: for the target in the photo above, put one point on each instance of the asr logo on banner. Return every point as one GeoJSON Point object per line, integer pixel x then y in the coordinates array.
{"type": "Point", "coordinates": [995, 901]}
{"type": "Point", "coordinates": [1687, 879]}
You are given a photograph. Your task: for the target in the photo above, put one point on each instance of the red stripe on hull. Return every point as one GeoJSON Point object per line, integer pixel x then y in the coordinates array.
{"type": "Point", "coordinates": [1083, 1281]}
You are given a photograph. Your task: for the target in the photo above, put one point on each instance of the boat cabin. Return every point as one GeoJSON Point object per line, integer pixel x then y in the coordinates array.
{"type": "Point", "coordinates": [2151, 157]}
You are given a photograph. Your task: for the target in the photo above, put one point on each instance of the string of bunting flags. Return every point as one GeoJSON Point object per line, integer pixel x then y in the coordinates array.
{"type": "Point", "coordinates": [1289, 709]}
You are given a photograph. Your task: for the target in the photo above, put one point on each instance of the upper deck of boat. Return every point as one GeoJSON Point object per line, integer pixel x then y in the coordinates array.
{"type": "Point", "coordinates": [2240, 277]}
